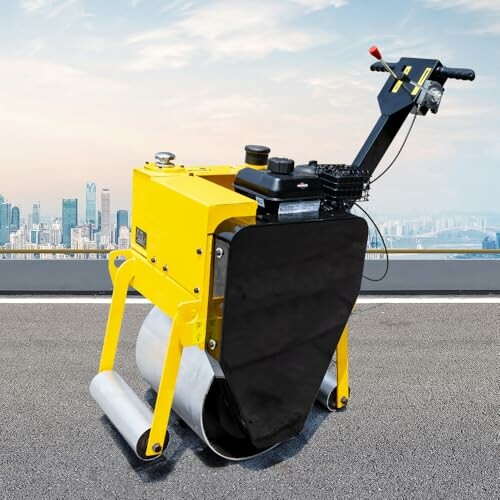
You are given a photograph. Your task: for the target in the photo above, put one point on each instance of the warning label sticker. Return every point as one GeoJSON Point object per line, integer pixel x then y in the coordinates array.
{"type": "Point", "coordinates": [297, 207]}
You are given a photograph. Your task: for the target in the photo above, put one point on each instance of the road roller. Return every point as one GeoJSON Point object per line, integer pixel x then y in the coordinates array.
{"type": "Point", "coordinates": [253, 271]}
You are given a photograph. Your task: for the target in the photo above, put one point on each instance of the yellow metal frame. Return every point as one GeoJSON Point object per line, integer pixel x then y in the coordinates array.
{"type": "Point", "coordinates": [343, 370]}
{"type": "Point", "coordinates": [173, 270]}
{"type": "Point", "coordinates": [186, 330]}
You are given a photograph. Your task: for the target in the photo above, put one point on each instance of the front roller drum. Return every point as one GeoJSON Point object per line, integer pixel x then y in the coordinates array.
{"type": "Point", "coordinates": [199, 395]}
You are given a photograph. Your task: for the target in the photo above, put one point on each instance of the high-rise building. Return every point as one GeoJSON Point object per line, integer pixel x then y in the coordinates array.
{"type": "Point", "coordinates": [498, 240]}
{"type": "Point", "coordinates": [90, 203]}
{"type": "Point", "coordinates": [35, 236]}
{"type": "Point", "coordinates": [99, 220]}
{"type": "Point", "coordinates": [55, 233]}
{"type": "Point", "coordinates": [4, 222]}
{"type": "Point", "coordinates": [36, 213]}
{"type": "Point", "coordinates": [15, 219]}
{"type": "Point", "coordinates": [121, 221]}
{"type": "Point", "coordinates": [69, 219]}
{"type": "Point", "coordinates": [489, 243]}
{"type": "Point", "coordinates": [123, 240]}
{"type": "Point", "coordinates": [106, 216]}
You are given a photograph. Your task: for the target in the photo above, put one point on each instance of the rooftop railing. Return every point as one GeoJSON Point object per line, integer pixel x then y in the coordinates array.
{"type": "Point", "coordinates": [393, 251]}
{"type": "Point", "coordinates": [72, 271]}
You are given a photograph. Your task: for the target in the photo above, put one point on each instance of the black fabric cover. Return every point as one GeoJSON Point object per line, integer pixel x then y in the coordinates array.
{"type": "Point", "coordinates": [289, 292]}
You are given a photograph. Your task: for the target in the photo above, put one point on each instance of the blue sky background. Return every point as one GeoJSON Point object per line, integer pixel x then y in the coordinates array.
{"type": "Point", "coordinates": [89, 89]}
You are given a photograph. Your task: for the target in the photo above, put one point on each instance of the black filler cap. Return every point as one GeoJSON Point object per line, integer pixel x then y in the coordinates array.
{"type": "Point", "coordinates": [280, 165]}
{"type": "Point", "coordinates": [256, 155]}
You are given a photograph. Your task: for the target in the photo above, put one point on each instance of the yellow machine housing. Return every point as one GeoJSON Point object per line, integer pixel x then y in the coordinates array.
{"type": "Point", "coordinates": [175, 211]}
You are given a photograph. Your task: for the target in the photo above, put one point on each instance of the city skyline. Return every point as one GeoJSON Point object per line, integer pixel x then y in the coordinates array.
{"type": "Point", "coordinates": [92, 90]}
{"type": "Point", "coordinates": [38, 212]}
{"type": "Point", "coordinates": [76, 226]}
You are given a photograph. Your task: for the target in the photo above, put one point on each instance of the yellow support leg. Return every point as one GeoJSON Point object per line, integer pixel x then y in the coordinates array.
{"type": "Point", "coordinates": [187, 330]}
{"type": "Point", "coordinates": [343, 370]}
{"type": "Point", "coordinates": [180, 337]}
{"type": "Point", "coordinates": [123, 276]}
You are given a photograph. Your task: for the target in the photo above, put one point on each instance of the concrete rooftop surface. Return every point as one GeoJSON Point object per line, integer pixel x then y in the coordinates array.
{"type": "Point", "coordinates": [422, 421]}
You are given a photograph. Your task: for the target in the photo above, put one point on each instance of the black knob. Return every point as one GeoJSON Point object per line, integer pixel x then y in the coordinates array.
{"type": "Point", "coordinates": [280, 165]}
{"type": "Point", "coordinates": [256, 155]}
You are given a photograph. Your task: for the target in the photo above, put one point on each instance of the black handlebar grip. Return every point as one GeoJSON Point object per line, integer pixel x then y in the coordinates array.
{"type": "Point", "coordinates": [378, 66]}
{"type": "Point", "coordinates": [457, 73]}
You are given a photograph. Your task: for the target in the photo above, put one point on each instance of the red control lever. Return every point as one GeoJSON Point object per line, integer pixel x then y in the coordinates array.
{"type": "Point", "coordinates": [373, 50]}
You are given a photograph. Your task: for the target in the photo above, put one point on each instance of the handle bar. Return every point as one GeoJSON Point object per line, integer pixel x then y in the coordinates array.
{"type": "Point", "coordinates": [457, 73]}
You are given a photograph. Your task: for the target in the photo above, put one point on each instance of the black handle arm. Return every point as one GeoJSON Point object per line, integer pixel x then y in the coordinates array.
{"type": "Point", "coordinates": [457, 73]}
{"type": "Point", "coordinates": [442, 71]}
{"type": "Point", "coordinates": [378, 66]}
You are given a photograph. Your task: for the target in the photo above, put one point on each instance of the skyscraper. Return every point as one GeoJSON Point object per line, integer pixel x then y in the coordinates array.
{"type": "Point", "coordinates": [15, 219]}
{"type": "Point", "coordinates": [4, 222]}
{"type": "Point", "coordinates": [36, 213]}
{"type": "Point", "coordinates": [121, 221]}
{"type": "Point", "coordinates": [90, 203]}
{"type": "Point", "coordinates": [106, 216]}
{"type": "Point", "coordinates": [69, 219]}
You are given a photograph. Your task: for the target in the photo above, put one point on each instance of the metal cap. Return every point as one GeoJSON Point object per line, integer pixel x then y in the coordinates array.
{"type": "Point", "coordinates": [164, 159]}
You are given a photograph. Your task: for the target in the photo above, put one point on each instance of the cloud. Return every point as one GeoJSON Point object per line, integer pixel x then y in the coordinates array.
{"type": "Point", "coordinates": [34, 5]}
{"type": "Point", "coordinates": [61, 6]}
{"type": "Point", "coordinates": [225, 29]}
{"type": "Point", "coordinates": [320, 4]}
{"type": "Point", "coordinates": [487, 29]}
{"type": "Point", "coordinates": [52, 8]}
{"type": "Point", "coordinates": [230, 107]}
{"type": "Point", "coordinates": [178, 6]}
{"type": "Point", "coordinates": [342, 90]}
{"type": "Point", "coordinates": [480, 5]}
{"type": "Point", "coordinates": [35, 75]}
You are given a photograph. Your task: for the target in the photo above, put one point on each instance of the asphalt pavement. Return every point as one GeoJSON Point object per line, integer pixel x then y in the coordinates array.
{"type": "Point", "coordinates": [422, 421]}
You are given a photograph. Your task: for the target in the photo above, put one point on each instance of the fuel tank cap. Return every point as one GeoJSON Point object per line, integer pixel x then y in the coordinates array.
{"type": "Point", "coordinates": [280, 165]}
{"type": "Point", "coordinates": [256, 155]}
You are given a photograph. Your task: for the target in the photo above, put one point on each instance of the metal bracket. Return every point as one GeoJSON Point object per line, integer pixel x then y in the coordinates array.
{"type": "Point", "coordinates": [186, 331]}
{"type": "Point", "coordinates": [342, 366]}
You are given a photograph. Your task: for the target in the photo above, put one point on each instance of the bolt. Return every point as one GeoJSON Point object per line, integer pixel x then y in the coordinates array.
{"type": "Point", "coordinates": [165, 268]}
{"type": "Point", "coordinates": [344, 400]}
{"type": "Point", "coordinates": [153, 259]}
{"type": "Point", "coordinates": [212, 344]}
{"type": "Point", "coordinates": [219, 252]}
{"type": "Point", "coordinates": [196, 290]}
{"type": "Point", "coordinates": [157, 447]}
{"type": "Point", "coordinates": [199, 251]}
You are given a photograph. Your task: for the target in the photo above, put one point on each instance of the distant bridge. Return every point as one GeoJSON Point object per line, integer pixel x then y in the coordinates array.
{"type": "Point", "coordinates": [487, 231]}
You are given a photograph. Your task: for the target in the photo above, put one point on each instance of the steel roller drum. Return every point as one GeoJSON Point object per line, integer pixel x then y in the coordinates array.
{"type": "Point", "coordinates": [197, 398]}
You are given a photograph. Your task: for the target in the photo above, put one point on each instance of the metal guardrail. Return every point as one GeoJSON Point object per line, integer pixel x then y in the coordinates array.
{"type": "Point", "coordinates": [52, 251]}
{"type": "Point", "coordinates": [423, 251]}
{"type": "Point", "coordinates": [406, 275]}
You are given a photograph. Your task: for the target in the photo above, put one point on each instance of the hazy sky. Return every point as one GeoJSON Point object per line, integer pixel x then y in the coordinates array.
{"type": "Point", "coordinates": [90, 89]}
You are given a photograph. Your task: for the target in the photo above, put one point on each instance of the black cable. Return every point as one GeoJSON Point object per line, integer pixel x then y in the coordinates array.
{"type": "Point", "coordinates": [385, 248]}
{"type": "Point", "coordinates": [400, 149]}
